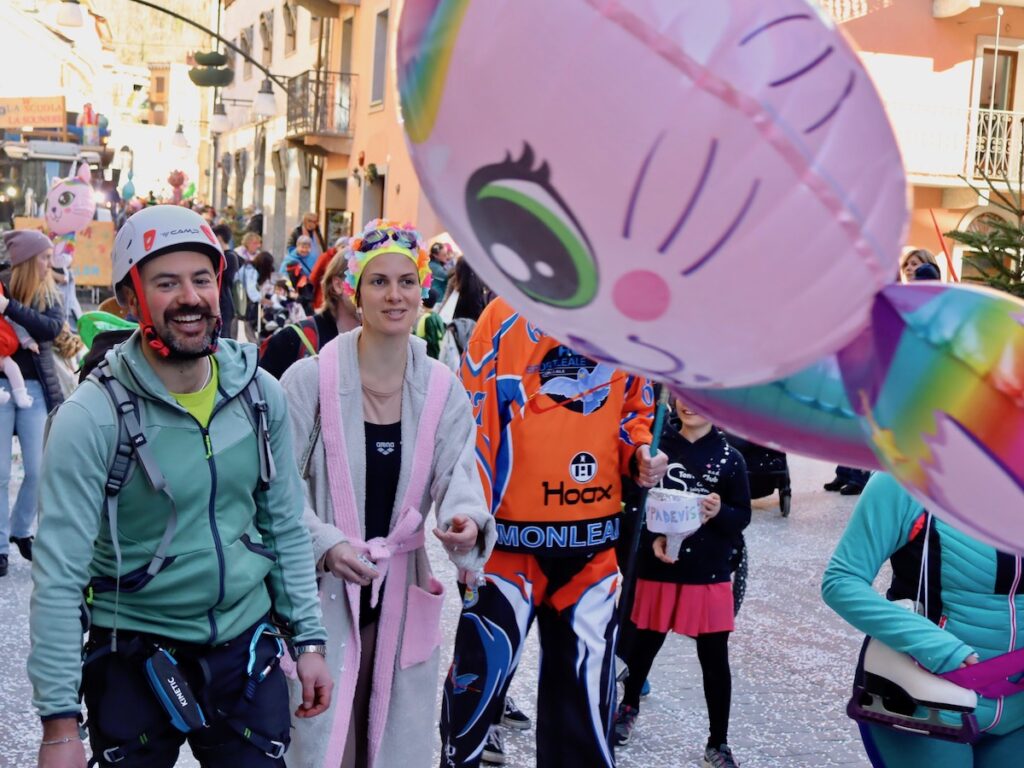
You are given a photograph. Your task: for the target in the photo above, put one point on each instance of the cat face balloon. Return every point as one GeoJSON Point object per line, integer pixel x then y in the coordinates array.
{"type": "Point", "coordinates": [70, 204]}
{"type": "Point", "coordinates": [708, 193]}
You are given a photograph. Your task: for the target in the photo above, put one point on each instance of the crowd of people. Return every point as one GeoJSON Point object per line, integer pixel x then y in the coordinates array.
{"type": "Point", "coordinates": [195, 557]}
{"type": "Point", "coordinates": [247, 554]}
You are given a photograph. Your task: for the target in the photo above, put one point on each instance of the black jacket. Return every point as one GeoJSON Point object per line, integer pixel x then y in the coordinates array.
{"type": "Point", "coordinates": [709, 465]}
{"type": "Point", "coordinates": [285, 347]}
{"type": "Point", "coordinates": [227, 301]}
{"type": "Point", "coordinates": [43, 327]}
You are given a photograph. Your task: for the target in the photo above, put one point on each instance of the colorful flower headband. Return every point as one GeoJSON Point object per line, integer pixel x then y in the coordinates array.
{"type": "Point", "coordinates": [385, 236]}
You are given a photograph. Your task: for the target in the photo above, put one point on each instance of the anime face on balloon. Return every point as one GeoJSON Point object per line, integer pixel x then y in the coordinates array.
{"type": "Point", "coordinates": [708, 193]}
{"type": "Point", "coordinates": [70, 206]}
{"type": "Point", "coordinates": [70, 203]}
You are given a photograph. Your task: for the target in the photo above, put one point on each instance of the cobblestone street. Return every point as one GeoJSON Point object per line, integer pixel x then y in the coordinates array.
{"type": "Point", "coordinates": [792, 659]}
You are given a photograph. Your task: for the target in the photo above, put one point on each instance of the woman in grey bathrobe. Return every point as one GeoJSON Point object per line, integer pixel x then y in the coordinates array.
{"type": "Point", "coordinates": [388, 432]}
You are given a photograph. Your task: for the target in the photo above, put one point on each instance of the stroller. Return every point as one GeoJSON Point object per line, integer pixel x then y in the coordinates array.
{"type": "Point", "coordinates": [767, 471]}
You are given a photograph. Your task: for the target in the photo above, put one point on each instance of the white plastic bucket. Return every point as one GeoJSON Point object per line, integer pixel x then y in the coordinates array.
{"type": "Point", "coordinates": [670, 511]}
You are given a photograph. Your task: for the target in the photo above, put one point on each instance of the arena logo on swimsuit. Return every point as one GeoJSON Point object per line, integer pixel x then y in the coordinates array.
{"type": "Point", "coordinates": [551, 536]}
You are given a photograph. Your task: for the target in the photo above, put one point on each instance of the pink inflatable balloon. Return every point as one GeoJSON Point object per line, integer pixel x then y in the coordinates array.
{"type": "Point", "coordinates": [705, 192]}
{"type": "Point", "coordinates": [70, 206]}
{"type": "Point", "coordinates": [939, 381]}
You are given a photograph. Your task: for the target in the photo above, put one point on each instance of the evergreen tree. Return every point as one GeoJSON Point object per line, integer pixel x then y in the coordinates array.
{"type": "Point", "coordinates": [996, 253]}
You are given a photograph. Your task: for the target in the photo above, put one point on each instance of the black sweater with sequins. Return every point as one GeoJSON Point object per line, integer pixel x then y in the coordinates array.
{"type": "Point", "coordinates": [709, 465]}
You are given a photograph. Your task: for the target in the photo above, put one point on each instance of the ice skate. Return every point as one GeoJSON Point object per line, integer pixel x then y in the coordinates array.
{"type": "Point", "coordinates": [893, 689]}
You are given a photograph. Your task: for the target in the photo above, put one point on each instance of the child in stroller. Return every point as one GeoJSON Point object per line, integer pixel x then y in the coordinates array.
{"type": "Point", "coordinates": [280, 306]}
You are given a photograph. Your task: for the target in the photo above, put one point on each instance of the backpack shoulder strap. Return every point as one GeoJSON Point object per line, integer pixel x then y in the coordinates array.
{"type": "Point", "coordinates": [259, 416]}
{"type": "Point", "coordinates": [132, 448]}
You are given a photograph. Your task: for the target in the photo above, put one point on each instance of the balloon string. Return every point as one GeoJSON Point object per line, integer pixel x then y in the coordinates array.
{"type": "Point", "coordinates": [629, 572]}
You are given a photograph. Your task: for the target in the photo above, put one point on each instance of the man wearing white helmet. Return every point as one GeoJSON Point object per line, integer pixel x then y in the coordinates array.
{"type": "Point", "coordinates": [195, 568]}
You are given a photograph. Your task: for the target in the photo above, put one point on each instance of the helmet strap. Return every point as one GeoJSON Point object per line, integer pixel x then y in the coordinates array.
{"type": "Point", "coordinates": [146, 319]}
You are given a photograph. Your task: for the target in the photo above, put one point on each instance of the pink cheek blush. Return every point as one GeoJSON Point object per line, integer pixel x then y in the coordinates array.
{"type": "Point", "coordinates": [641, 295]}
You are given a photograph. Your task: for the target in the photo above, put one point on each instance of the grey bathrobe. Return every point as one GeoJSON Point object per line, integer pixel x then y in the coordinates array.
{"type": "Point", "coordinates": [454, 489]}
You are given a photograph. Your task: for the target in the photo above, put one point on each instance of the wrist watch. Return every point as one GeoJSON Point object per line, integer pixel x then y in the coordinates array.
{"type": "Point", "coordinates": [320, 648]}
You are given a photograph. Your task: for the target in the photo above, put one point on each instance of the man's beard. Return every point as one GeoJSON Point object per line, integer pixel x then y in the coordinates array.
{"type": "Point", "coordinates": [195, 349]}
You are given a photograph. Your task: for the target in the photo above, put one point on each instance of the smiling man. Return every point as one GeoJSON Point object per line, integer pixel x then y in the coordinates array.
{"type": "Point", "coordinates": [176, 532]}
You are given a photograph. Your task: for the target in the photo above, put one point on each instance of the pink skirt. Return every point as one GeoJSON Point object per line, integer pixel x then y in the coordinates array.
{"type": "Point", "coordinates": [686, 609]}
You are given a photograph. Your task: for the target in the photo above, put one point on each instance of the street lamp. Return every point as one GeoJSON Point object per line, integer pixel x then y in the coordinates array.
{"type": "Point", "coordinates": [179, 139]}
{"type": "Point", "coordinates": [219, 122]}
{"type": "Point", "coordinates": [264, 105]}
{"type": "Point", "coordinates": [125, 158]}
{"type": "Point", "coordinates": [70, 14]}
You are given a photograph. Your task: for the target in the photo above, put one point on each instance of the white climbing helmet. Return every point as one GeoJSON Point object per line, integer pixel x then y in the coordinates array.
{"type": "Point", "coordinates": [161, 229]}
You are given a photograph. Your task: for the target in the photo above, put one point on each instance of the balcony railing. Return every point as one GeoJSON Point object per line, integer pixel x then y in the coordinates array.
{"type": "Point", "coordinates": [950, 142]}
{"type": "Point", "coordinates": [997, 143]}
{"type": "Point", "coordinates": [321, 103]}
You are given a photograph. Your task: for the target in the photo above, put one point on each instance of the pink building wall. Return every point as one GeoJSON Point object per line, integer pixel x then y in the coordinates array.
{"type": "Point", "coordinates": [928, 73]}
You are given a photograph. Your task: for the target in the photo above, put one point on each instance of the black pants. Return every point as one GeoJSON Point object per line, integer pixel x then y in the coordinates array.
{"type": "Point", "coordinates": [125, 713]}
{"type": "Point", "coordinates": [573, 604]}
{"type": "Point", "coordinates": [713, 654]}
{"type": "Point", "coordinates": [852, 476]}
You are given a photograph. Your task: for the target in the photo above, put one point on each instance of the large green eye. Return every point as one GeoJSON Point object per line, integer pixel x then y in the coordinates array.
{"type": "Point", "coordinates": [530, 233]}
{"type": "Point", "coordinates": [65, 198]}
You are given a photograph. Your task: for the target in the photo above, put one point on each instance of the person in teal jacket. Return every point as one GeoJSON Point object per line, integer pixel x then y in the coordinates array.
{"type": "Point", "coordinates": [982, 616]}
{"type": "Point", "coordinates": [236, 555]}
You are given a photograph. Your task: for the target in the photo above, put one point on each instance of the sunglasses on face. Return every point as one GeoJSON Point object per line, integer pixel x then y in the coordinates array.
{"type": "Point", "coordinates": [379, 238]}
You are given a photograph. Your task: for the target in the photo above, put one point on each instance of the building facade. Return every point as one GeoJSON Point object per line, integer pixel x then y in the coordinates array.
{"type": "Point", "coordinates": [66, 72]}
{"type": "Point", "coordinates": [377, 177]}
{"type": "Point", "coordinates": [263, 164]}
{"type": "Point", "coordinates": [950, 75]}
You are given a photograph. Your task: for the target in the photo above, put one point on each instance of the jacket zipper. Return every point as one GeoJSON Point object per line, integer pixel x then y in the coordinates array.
{"type": "Point", "coordinates": [217, 543]}
{"type": "Point", "coordinates": [212, 511]}
{"type": "Point", "coordinates": [1012, 599]}
{"type": "Point", "coordinates": [212, 507]}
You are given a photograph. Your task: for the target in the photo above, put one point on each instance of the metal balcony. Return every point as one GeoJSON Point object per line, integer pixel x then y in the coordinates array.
{"type": "Point", "coordinates": [997, 143]}
{"type": "Point", "coordinates": [941, 143]}
{"type": "Point", "coordinates": [321, 110]}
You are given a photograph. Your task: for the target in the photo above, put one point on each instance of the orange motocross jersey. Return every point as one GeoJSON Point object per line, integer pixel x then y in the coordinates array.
{"type": "Point", "coordinates": [555, 433]}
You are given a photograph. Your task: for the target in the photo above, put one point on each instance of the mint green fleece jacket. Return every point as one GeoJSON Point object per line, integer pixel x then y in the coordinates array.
{"type": "Point", "coordinates": [238, 551]}
{"type": "Point", "coordinates": [980, 590]}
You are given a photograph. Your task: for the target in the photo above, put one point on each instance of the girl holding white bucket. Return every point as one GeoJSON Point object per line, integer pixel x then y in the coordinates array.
{"type": "Point", "coordinates": [695, 522]}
